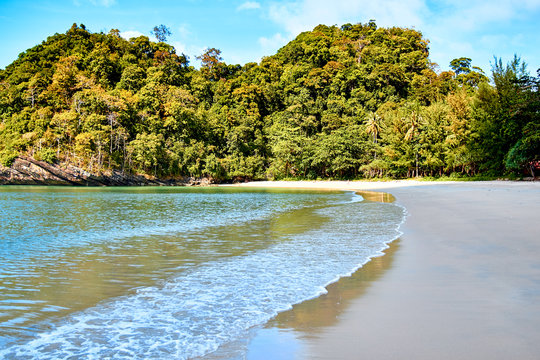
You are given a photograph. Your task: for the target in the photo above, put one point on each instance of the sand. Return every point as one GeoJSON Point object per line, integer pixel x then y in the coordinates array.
{"type": "Point", "coordinates": [462, 282]}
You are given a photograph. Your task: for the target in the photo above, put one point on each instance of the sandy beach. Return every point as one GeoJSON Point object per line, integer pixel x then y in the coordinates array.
{"type": "Point", "coordinates": [462, 282]}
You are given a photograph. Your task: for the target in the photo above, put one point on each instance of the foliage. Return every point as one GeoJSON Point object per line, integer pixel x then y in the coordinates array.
{"type": "Point", "coordinates": [7, 157]}
{"type": "Point", "coordinates": [161, 32]}
{"type": "Point", "coordinates": [46, 154]}
{"type": "Point", "coordinates": [340, 102]}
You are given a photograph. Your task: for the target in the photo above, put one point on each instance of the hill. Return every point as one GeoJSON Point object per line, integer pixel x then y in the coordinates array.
{"type": "Point", "coordinates": [341, 102]}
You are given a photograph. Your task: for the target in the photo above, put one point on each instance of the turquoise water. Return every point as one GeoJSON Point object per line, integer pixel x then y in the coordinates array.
{"type": "Point", "coordinates": [169, 273]}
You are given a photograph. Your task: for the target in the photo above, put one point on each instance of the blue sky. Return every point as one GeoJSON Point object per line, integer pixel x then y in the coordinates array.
{"type": "Point", "coordinates": [246, 30]}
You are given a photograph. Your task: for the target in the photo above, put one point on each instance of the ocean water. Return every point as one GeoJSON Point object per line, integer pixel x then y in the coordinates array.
{"type": "Point", "coordinates": [169, 273]}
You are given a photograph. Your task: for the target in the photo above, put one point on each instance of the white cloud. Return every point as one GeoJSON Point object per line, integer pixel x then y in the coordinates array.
{"type": "Point", "coordinates": [272, 44]}
{"type": "Point", "coordinates": [478, 30]}
{"type": "Point", "coordinates": [130, 34]}
{"type": "Point", "coordinates": [249, 5]}
{"type": "Point", "coordinates": [191, 51]}
{"type": "Point", "coordinates": [179, 47]}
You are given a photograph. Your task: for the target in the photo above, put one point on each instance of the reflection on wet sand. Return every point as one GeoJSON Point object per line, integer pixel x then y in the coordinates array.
{"type": "Point", "coordinates": [377, 196]}
{"type": "Point", "coordinates": [311, 317]}
{"type": "Point", "coordinates": [323, 311]}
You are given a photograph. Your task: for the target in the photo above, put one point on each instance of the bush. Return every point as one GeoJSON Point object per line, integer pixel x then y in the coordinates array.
{"type": "Point", "coordinates": [7, 157]}
{"type": "Point", "coordinates": [47, 155]}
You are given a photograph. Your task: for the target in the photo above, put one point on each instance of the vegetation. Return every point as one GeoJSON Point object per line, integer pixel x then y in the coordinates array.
{"type": "Point", "coordinates": [341, 102]}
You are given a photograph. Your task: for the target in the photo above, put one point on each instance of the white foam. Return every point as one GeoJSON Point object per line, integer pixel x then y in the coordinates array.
{"type": "Point", "coordinates": [216, 303]}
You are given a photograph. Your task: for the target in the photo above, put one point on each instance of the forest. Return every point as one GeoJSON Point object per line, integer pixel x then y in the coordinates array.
{"type": "Point", "coordinates": [355, 101]}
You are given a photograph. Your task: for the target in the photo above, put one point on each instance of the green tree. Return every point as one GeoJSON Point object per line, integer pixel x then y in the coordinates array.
{"type": "Point", "coordinates": [461, 65]}
{"type": "Point", "coordinates": [146, 151]}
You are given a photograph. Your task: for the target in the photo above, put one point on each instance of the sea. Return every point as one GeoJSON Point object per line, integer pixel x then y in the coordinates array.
{"type": "Point", "coordinates": [170, 272]}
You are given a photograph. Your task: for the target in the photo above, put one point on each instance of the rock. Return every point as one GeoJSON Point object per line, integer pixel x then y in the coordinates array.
{"type": "Point", "coordinates": [28, 171]}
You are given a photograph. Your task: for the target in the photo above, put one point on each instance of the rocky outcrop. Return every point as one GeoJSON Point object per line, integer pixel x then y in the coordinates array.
{"type": "Point", "coordinates": [28, 171]}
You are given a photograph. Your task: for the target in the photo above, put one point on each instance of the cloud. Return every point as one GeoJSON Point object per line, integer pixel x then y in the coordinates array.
{"type": "Point", "coordinates": [249, 5]}
{"type": "Point", "coordinates": [191, 51]}
{"type": "Point", "coordinates": [272, 44]}
{"type": "Point", "coordinates": [130, 34]}
{"type": "Point", "coordinates": [179, 47]}
{"type": "Point", "coordinates": [480, 30]}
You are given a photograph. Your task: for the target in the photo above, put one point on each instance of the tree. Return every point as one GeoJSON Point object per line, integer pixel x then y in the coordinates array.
{"type": "Point", "coordinates": [461, 65]}
{"type": "Point", "coordinates": [525, 154]}
{"type": "Point", "coordinates": [332, 101]}
{"type": "Point", "coordinates": [64, 81]}
{"type": "Point", "coordinates": [373, 128]}
{"type": "Point", "coordinates": [211, 61]}
{"type": "Point", "coordinates": [373, 125]}
{"type": "Point", "coordinates": [465, 75]}
{"type": "Point", "coordinates": [458, 131]}
{"type": "Point", "coordinates": [146, 151]}
{"type": "Point", "coordinates": [413, 122]}
{"type": "Point", "coordinates": [161, 32]}
{"type": "Point", "coordinates": [210, 58]}
{"type": "Point", "coordinates": [502, 113]}
{"type": "Point", "coordinates": [287, 148]}
{"type": "Point", "coordinates": [132, 78]}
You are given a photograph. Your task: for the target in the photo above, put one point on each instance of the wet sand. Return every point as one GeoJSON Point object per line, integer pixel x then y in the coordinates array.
{"type": "Point", "coordinates": [462, 282]}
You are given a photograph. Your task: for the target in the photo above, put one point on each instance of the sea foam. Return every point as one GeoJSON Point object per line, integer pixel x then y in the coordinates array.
{"type": "Point", "coordinates": [217, 302]}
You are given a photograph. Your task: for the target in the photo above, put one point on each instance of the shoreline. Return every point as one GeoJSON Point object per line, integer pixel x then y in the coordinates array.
{"type": "Point", "coordinates": [28, 171]}
{"type": "Point", "coordinates": [462, 282]}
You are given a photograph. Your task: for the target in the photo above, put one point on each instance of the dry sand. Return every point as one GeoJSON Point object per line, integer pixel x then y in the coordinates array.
{"type": "Point", "coordinates": [462, 282]}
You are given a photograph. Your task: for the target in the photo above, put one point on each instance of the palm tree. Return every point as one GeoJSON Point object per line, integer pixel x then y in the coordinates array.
{"type": "Point", "coordinates": [373, 125]}
{"type": "Point", "coordinates": [413, 122]}
{"type": "Point", "coordinates": [373, 128]}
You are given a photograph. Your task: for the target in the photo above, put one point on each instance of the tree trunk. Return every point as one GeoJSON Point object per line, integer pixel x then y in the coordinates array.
{"type": "Point", "coordinates": [417, 164]}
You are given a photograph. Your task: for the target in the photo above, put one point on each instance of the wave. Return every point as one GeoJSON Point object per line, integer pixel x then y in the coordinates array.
{"type": "Point", "coordinates": [217, 302]}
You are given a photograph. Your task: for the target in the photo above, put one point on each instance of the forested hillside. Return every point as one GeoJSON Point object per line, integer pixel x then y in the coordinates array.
{"type": "Point", "coordinates": [342, 102]}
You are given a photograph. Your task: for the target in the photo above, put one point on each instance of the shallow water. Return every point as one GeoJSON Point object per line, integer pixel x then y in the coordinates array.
{"type": "Point", "coordinates": [169, 272]}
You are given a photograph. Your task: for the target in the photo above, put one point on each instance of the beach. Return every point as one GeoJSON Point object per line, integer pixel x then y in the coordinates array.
{"type": "Point", "coordinates": [462, 282]}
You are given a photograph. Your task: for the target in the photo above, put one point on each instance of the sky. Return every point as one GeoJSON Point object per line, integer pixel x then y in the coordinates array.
{"type": "Point", "coordinates": [247, 30]}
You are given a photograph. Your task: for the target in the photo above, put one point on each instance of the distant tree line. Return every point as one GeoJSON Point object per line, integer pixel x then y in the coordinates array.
{"type": "Point", "coordinates": [341, 102]}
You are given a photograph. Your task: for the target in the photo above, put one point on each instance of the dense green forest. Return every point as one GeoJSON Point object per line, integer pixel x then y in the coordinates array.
{"type": "Point", "coordinates": [341, 102]}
